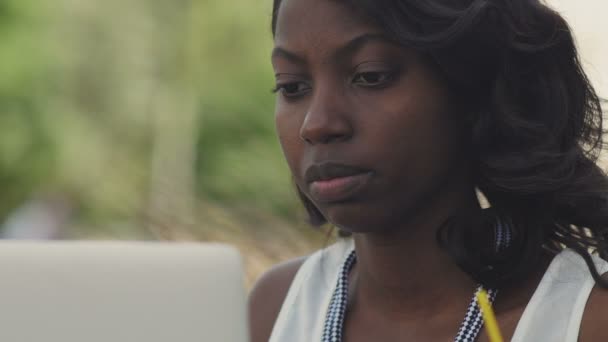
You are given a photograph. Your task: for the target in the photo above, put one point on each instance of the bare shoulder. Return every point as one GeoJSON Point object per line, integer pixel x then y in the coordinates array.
{"type": "Point", "coordinates": [594, 327]}
{"type": "Point", "coordinates": [267, 296]}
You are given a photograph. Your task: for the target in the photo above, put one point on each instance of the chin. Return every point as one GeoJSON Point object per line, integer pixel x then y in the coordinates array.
{"type": "Point", "coordinates": [357, 218]}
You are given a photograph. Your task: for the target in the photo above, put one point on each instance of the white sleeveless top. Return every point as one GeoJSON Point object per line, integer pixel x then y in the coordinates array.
{"type": "Point", "coordinates": [553, 314]}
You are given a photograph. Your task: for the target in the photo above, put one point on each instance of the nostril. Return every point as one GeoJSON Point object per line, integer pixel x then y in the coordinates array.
{"type": "Point", "coordinates": [306, 140]}
{"type": "Point", "coordinates": [324, 139]}
{"type": "Point", "coordinates": [324, 130]}
{"type": "Point", "coordinates": [325, 124]}
{"type": "Point", "coordinates": [336, 138]}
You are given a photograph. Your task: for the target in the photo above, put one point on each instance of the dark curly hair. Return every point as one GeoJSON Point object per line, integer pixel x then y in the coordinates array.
{"type": "Point", "coordinates": [536, 127]}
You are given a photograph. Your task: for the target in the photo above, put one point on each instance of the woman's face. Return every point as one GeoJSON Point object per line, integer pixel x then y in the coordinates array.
{"type": "Point", "coordinates": [368, 127]}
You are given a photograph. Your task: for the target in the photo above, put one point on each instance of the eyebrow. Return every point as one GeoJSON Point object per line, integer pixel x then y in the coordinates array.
{"type": "Point", "coordinates": [290, 56]}
{"type": "Point", "coordinates": [347, 49]}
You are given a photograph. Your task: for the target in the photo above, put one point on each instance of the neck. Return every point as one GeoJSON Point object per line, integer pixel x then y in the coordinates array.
{"type": "Point", "coordinates": [404, 273]}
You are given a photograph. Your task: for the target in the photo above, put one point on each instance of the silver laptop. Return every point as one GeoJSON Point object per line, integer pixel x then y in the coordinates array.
{"type": "Point", "coordinates": [120, 292]}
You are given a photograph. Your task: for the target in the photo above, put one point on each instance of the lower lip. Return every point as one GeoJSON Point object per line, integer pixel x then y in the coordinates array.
{"type": "Point", "coordinates": [338, 189]}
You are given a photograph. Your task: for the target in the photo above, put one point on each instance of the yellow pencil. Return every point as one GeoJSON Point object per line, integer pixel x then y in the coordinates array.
{"type": "Point", "coordinates": [489, 317]}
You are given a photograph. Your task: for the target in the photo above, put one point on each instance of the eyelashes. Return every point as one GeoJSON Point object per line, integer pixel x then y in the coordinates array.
{"type": "Point", "coordinates": [291, 89]}
{"type": "Point", "coordinates": [368, 79]}
{"type": "Point", "coordinates": [373, 79]}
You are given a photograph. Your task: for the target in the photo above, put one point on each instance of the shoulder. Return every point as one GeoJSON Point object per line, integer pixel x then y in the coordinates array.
{"type": "Point", "coordinates": [267, 296]}
{"type": "Point", "coordinates": [593, 325]}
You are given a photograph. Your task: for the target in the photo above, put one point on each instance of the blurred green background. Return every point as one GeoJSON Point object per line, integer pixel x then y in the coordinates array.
{"type": "Point", "coordinates": [153, 120]}
{"type": "Point", "coordinates": [144, 120]}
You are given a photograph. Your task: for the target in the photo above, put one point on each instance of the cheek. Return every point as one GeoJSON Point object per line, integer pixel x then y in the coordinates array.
{"type": "Point", "coordinates": [288, 127]}
{"type": "Point", "coordinates": [415, 128]}
{"type": "Point", "coordinates": [412, 124]}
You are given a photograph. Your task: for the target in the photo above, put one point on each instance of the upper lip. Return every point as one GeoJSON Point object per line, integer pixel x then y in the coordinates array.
{"type": "Point", "coordinates": [331, 170]}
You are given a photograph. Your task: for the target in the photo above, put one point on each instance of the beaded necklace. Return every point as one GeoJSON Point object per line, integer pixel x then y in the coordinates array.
{"type": "Point", "coordinates": [469, 328]}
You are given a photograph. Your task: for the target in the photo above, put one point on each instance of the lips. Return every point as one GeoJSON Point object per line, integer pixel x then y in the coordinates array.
{"type": "Point", "coordinates": [333, 182]}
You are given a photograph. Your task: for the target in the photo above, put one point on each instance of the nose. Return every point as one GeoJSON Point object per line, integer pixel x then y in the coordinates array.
{"type": "Point", "coordinates": [327, 120]}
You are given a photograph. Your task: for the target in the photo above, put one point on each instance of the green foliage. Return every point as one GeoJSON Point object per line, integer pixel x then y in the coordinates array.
{"type": "Point", "coordinates": [26, 149]}
{"type": "Point", "coordinates": [239, 157]}
{"type": "Point", "coordinates": [84, 86]}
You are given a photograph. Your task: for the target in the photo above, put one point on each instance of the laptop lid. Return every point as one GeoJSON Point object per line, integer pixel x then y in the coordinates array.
{"type": "Point", "coordinates": [121, 292]}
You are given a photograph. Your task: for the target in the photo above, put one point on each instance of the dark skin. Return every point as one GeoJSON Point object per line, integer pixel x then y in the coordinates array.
{"type": "Point", "coordinates": [348, 94]}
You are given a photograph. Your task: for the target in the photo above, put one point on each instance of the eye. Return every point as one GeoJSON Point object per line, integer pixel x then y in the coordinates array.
{"type": "Point", "coordinates": [292, 89]}
{"type": "Point", "coordinates": [372, 78]}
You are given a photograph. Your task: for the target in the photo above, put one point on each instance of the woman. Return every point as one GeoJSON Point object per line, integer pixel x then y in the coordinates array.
{"type": "Point", "coordinates": [391, 114]}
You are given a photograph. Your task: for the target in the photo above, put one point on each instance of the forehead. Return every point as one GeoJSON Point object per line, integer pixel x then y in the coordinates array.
{"type": "Point", "coordinates": [310, 24]}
